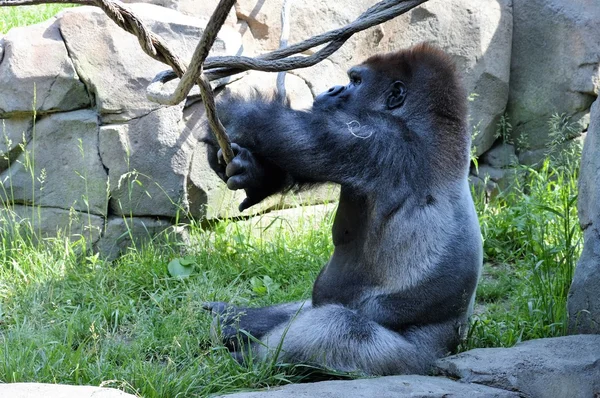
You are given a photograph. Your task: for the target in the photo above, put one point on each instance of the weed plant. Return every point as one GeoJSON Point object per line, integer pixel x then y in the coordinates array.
{"type": "Point", "coordinates": [532, 241]}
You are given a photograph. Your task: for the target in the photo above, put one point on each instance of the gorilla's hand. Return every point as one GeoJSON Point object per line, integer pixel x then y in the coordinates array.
{"type": "Point", "coordinates": [257, 177]}
{"type": "Point", "coordinates": [225, 324]}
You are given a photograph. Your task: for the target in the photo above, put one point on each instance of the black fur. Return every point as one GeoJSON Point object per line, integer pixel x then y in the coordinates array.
{"type": "Point", "coordinates": [397, 291]}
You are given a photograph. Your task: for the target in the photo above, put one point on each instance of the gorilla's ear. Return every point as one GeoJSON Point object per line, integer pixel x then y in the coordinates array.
{"type": "Point", "coordinates": [397, 95]}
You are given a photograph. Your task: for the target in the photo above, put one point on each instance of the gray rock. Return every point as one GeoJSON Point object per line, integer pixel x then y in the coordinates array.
{"type": "Point", "coordinates": [34, 390]}
{"type": "Point", "coordinates": [484, 171]}
{"type": "Point", "coordinates": [50, 222]}
{"type": "Point", "coordinates": [500, 156]}
{"type": "Point", "coordinates": [584, 297]}
{"type": "Point", "coordinates": [499, 180]}
{"type": "Point", "coordinates": [322, 76]}
{"type": "Point", "coordinates": [533, 157]}
{"type": "Point", "coordinates": [37, 71]}
{"type": "Point", "coordinates": [584, 301]}
{"type": "Point", "coordinates": [60, 167]}
{"type": "Point", "coordinates": [147, 161]}
{"type": "Point", "coordinates": [555, 64]}
{"type": "Point", "coordinates": [536, 157]}
{"type": "Point", "coordinates": [382, 387]}
{"type": "Point", "coordinates": [514, 177]}
{"type": "Point", "coordinates": [114, 66]}
{"type": "Point", "coordinates": [203, 9]}
{"type": "Point", "coordinates": [277, 219]}
{"type": "Point", "coordinates": [560, 367]}
{"type": "Point", "coordinates": [14, 134]}
{"type": "Point", "coordinates": [477, 33]}
{"type": "Point", "coordinates": [121, 233]}
{"type": "Point", "coordinates": [589, 178]}
{"type": "Point", "coordinates": [296, 89]}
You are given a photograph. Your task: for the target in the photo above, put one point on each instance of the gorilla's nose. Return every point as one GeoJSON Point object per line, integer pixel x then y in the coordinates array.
{"type": "Point", "coordinates": [335, 90]}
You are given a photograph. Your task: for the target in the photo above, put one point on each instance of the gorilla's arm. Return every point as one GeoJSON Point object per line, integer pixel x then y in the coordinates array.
{"type": "Point", "coordinates": [306, 146]}
{"type": "Point", "coordinates": [443, 296]}
{"type": "Point", "coordinates": [436, 302]}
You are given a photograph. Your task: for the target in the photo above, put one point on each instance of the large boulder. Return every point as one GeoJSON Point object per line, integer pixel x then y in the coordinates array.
{"type": "Point", "coordinates": [47, 222]}
{"type": "Point", "coordinates": [112, 63]}
{"type": "Point", "coordinates": [31, 390]}
{"type": "Point", "coordinates": [15, 133]}
{"type": "Point", "coordinates": [121, 233]}
{"type": "Point", "coordinates": [554, 66]}
{"type": "Point", "coordinates": [477, 33]}
{"type": "Point", "coordinates": [60, 167]}
{"type": "Point", "coordinates": [37, 73]}
{"type": "Point", "coordinates": [562, 367]}
{"type": "Point", "coordinates": [200, 9]}
{"type": "Point", "coordinates": [584, 295]}
{"type": "Point", "coordinates": [147, 160]}
{"type": "Point", "coordinates": [382, 387]}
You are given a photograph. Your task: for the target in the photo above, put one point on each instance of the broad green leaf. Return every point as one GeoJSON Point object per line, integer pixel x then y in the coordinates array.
{"type": "Point", "coordinates": [179, 270]}
{"type": "Point", "coordinates": [187, 261]}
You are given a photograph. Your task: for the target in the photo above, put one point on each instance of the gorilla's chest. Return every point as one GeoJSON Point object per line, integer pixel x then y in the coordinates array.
{"type": "Point", "coordinates": [345, 276]}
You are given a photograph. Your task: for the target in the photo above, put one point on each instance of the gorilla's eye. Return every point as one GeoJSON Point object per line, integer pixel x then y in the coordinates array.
{"type": "Point", "coordinates": [355, 79]}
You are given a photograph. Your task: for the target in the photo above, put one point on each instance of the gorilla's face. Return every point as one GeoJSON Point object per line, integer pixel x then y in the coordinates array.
{"type": "Point", "coordinates": [366, 90]}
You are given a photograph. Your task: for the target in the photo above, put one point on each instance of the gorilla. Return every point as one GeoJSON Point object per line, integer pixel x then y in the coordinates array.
{"type": "Point", "coordinates": [398, 290]}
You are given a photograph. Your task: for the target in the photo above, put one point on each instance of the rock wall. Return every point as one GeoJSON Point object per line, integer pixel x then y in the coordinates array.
{"type": "Point", "coordinates": [584, 295]}
{"type": "Point", "coordinates": [554, 67]}
{"type": "Point", "coordinates": [101, 159]}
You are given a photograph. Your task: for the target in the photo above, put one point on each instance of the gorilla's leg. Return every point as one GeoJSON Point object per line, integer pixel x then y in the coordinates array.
{"type": "Point", "coordinates": [230, 319]}
{"type": "Point", "coordinates": [339, 338]}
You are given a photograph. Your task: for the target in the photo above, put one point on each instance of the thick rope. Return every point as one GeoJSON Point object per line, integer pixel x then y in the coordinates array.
{"type": "Point", "coordinates": [220, 67]}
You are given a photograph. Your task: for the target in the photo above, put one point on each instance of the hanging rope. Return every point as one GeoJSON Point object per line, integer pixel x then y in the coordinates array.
{"type": "Point", "coordinates": [203, 70]}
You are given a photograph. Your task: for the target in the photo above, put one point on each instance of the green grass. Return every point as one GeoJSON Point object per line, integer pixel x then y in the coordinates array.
{"type": "Point", "coordinates": [532, 241]}
{"type": "Point", "coordinates": [66, 316]}
{"type": "Point", "coordinates": [72, 318]}
{"type": "Point", "coordinates": [11, 17]}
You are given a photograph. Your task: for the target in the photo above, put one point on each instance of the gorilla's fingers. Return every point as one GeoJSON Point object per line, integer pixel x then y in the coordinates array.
{"type": "Point", "coordinates": [234, 147]}
{"type": "Point", "coordinates": [246, 203]}
{"type": "Point", "coordinates": [237, 166]}
{"type": "Point", "coordinates": [236, 182]}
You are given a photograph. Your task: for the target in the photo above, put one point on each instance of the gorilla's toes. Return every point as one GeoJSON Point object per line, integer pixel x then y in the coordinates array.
{"type": "Point", "coordinates": [216, 307]}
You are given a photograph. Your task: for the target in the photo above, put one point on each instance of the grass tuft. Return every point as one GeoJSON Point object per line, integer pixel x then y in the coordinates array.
{"type": "Point", "coordinates": [11, 17]}
{"type": "Point", "coordinates": [532, 241]}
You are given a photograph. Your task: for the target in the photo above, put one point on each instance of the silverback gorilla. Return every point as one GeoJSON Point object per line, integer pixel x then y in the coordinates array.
{"type": "Point", "coordinates": [400, 285]}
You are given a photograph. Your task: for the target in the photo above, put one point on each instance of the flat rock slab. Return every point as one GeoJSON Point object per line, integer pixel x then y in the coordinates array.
{"type": "Point", "coordinates": [382, 387]}
{"type": "Point", "coordinates": [35, 390]}
{"type": "Point", "coordinates": [559, 367]}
